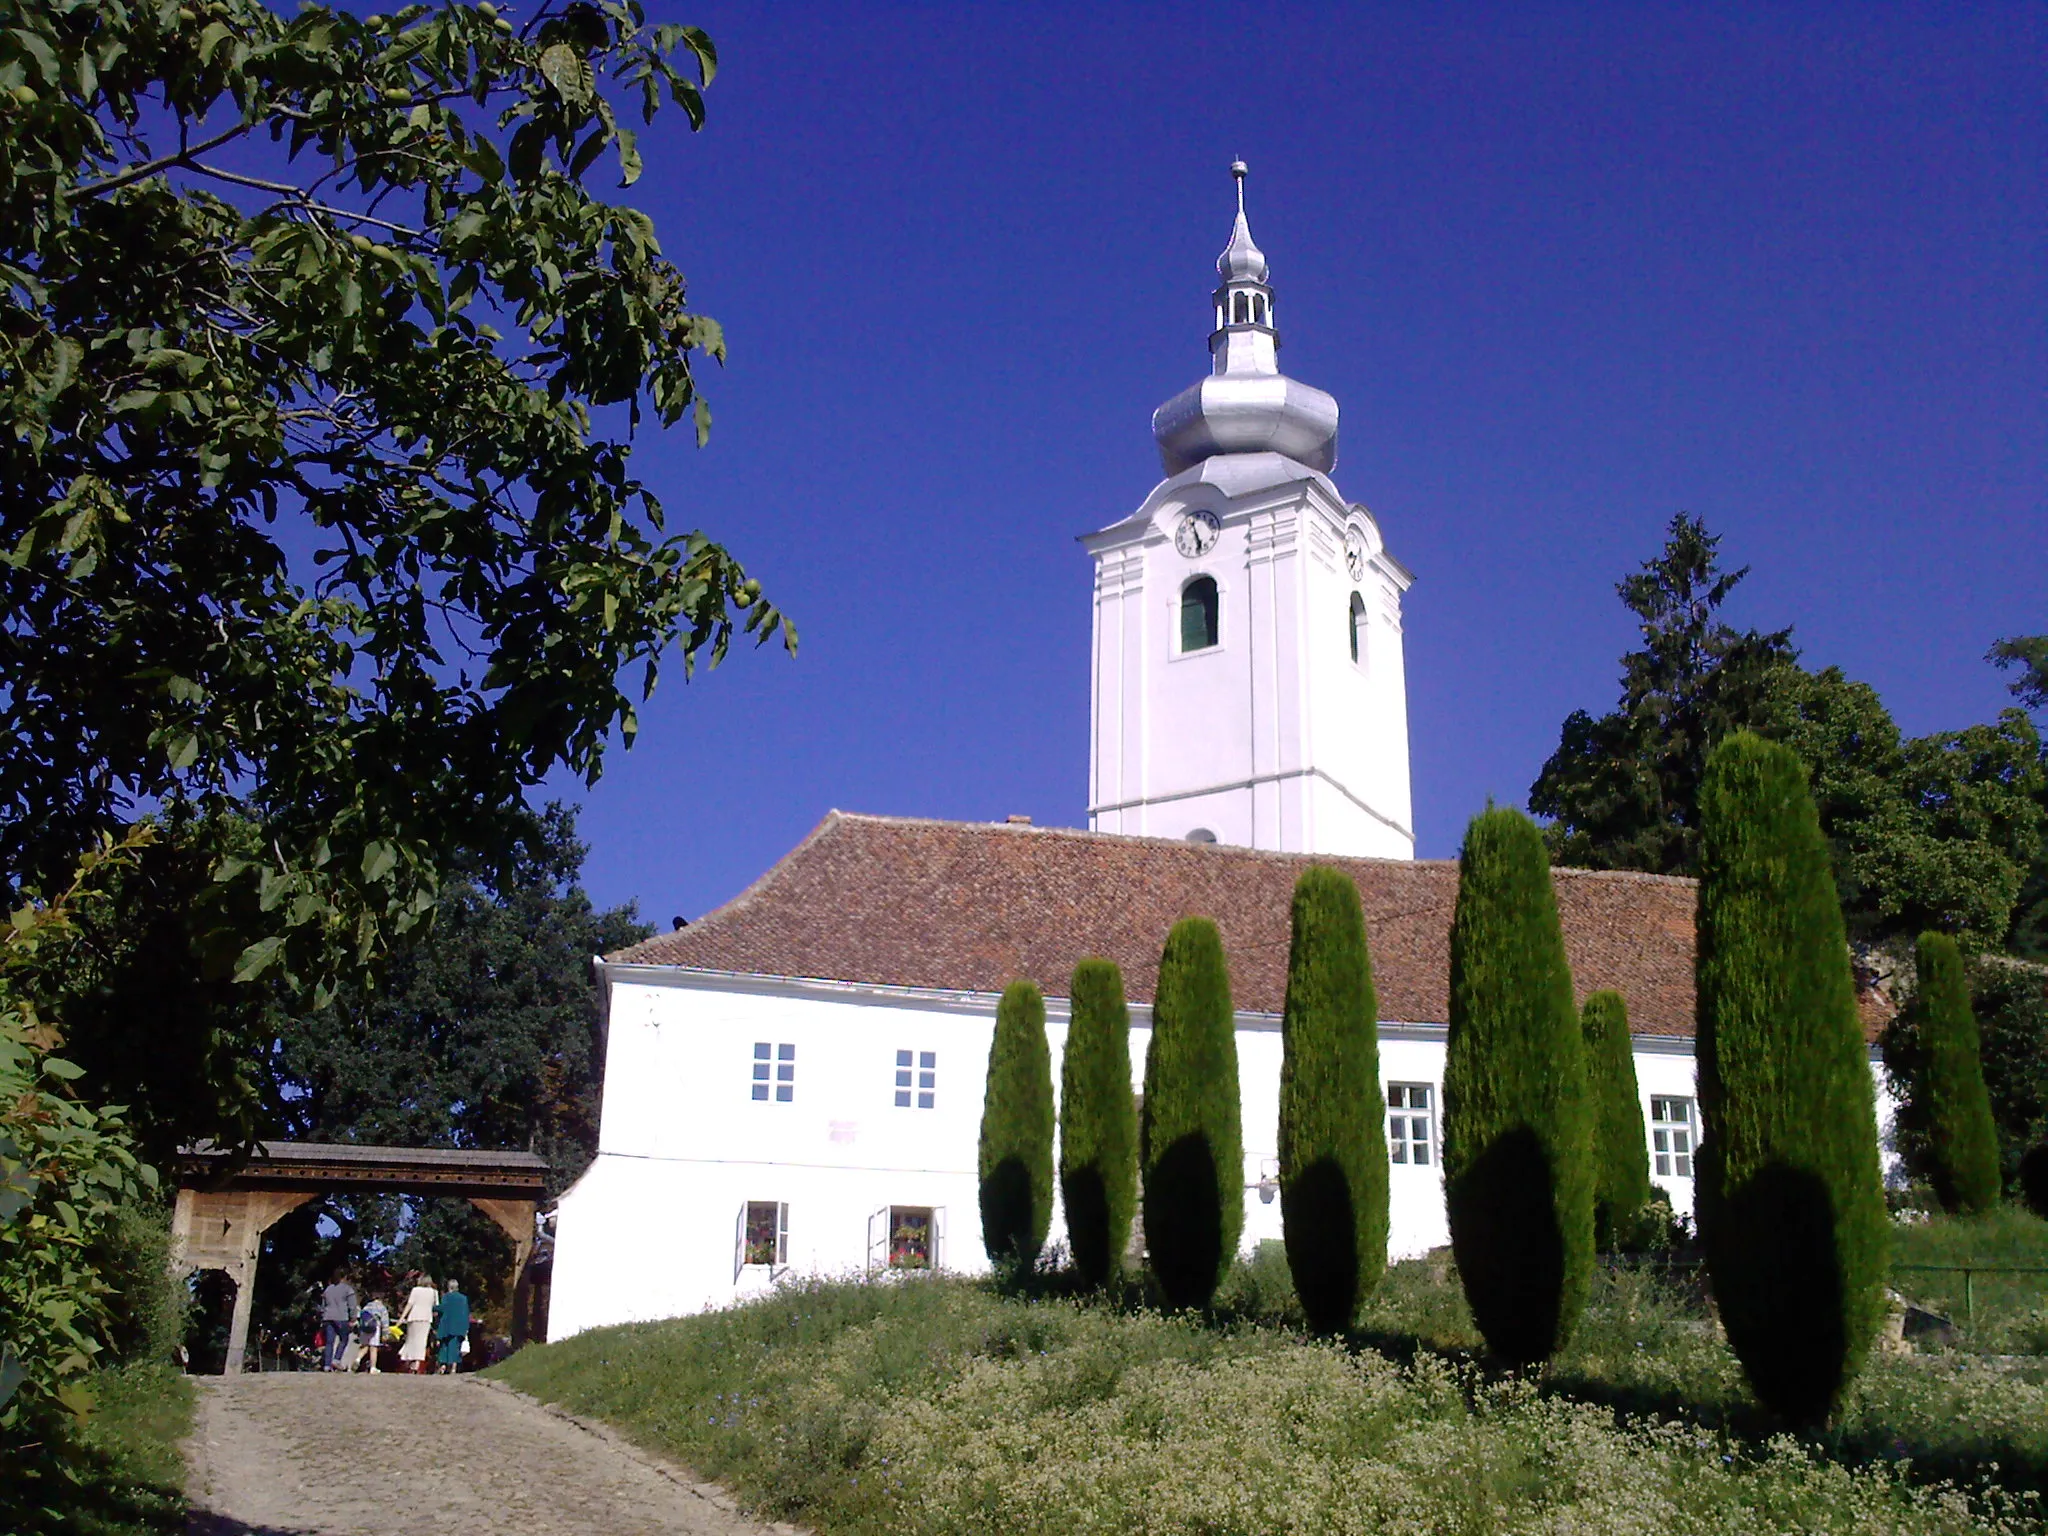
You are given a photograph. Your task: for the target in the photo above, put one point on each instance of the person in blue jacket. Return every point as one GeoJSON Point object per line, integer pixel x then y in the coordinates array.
{"type": "Point", "coordinates": [451, 1328]}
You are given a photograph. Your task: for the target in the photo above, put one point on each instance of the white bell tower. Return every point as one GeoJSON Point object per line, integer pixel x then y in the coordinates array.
{"type": "Point", "coordinates": [1249, 685]}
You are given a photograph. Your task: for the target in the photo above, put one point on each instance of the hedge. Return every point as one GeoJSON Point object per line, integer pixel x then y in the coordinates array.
{"type": "Point", "coordinates": [1518, 1168]}
{"type": "Point", "coordinates": [1333, 1152]}
{"type": "Point", "coordinates": [1962, 1140]}
{"type": "Point", "coordinates": [1015, 1163]}
{"type": "Point", "coordinates": [1098, 1124]}
{"type": "Point", "coordinates": [1192, 1145]}
{"type": "Point", "coordinates": [1621, 1152]}
{"type": "Point", "coordinates": [1790, 1206]}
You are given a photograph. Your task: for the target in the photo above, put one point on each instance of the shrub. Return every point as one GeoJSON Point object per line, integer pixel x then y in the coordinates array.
{"type": "Point", "coordinates": [1962, 1141]}
{"type": "Point", "coordinates": [1621, 1155]}
{"type": "Point", "coordinates": [1191, 1143]}
{"type": "Point", "coordinates": [2033, 1180]}
{"type": "Point", "coordinates": [1015, 1163]}
{"type": "Point", "coordinates": [1333, 1157]}
{"type": "Point", "coordinates": [1098, 1124]}
{"type": "Point", "coordinates": [1518, 1172]}
{"type": "Point", "coordinates": [1791, 1209]}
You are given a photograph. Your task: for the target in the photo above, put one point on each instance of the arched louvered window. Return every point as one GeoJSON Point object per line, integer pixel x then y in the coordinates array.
{"type": "Point", "coordinates": [1198, 614]}
{"type": "Point", "coordinates": [1259, 308]}
{"type": "Point", "coordinates": [1357, 626]}
{"type": "Point", "coordinates": [1240, 309]}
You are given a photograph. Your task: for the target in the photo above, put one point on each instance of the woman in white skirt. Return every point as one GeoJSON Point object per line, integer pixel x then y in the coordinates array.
{"type": "Point", "coordinates": [418, 1321]}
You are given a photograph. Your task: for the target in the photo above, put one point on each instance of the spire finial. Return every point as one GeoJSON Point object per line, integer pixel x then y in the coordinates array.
{"type": "Point", "coordinates": [1241, 260]}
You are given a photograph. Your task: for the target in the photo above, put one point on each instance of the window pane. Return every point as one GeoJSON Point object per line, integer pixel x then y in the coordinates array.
{"type": "Point", "coordinates": [903, 1098]}
{"type": "Point", "coordinates": [903, 1058]}
{"type": "Point", "coordinates": [761, 1050]}
{"type": "Point", "coordinates": [1198, 614]}
{"type": "Point", "coordinates": [928, 1059]}
{"type": "Point", "coordinates": [924, 1079]}
{"type": "Point", "coordinates": [783, 1093]}
{"type": "Point", "coordinates": [760, 1071]}
{"type": "Point", "coordinates": [924, 1101]}
{"type": "Point", "coordinates": [760, 1090]}
{"type": "Point", "coordinates": [785, 1053]}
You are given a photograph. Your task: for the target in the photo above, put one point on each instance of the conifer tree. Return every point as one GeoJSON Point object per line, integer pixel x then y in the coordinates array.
{"type": "Point", "coordinates": [1518, 1168]}
{"type": "Point", "coordinates": [1015, 1164]}
{"type": "Point", "coordinates": [1790, 1204]}
{"type": "Point", "coordinates": [1192, 1144]}
{"type": "Point", "coordinates": [1098, 1124]}
{"type": "Point", "coordinates": [1621, 1156]}
{"type": "Point", "coordinates": [1333, 1156]}
{"type": "Point", "coordinates": [1962, 1139]}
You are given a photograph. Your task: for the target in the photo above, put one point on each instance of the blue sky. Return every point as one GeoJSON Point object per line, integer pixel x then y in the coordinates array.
{"type": "Point", "coordinates": [1566, 269]}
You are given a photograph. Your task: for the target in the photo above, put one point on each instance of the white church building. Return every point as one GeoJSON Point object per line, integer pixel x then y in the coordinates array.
{"type": "Point", "coordinates": [793, 1084]}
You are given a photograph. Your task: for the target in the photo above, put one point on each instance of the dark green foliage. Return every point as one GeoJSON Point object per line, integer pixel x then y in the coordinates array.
{"type": "Point", "coordinates": [1622, 790]}
{"type": "Point", "coordinates": [294, 540]}
{"type": "Point", "coordinates": [1791, 1209]}
{"type": "Point", "coordinates": [1621, 1153]}
{"type": "Point", "coordinates": [2011, 1005]}
{"type": "Point", "coordinates": [1333, 1155]}
{"type": "Point", "coordinates": [1192, 1144]}
{"type": "Point", "coordinates": [1949, 1095]}
{"type": "Point", "coordinates": [1098, 1124]}
{"type": "Point", "coordinates": [1015, 1163]}
{"type": "Point", "coordinates": [1518, 1121]}
{"type": "Point", "coordinates": [2033, 1179]}
{"type": "Point", "coordinates": [1945, 831]}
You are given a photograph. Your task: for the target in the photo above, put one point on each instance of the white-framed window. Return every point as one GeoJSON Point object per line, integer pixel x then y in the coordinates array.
{"type": "Point", "coordinates": [1411, 1123]}
{"type": "Point", "coordinates": [907, 1237]}
{"type": "Point", "coordinates": [916, 1078]}
{"type": "Point", "coordinates": [774, 1068]}
{"type": "Point", "coordinates": [761, 1238]}
{"type": "Point", "coordinates": [1671, 1137]}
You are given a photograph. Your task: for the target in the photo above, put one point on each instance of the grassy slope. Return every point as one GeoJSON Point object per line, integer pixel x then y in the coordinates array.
{"type": "Point", "coordinates": [940, 1406]}
{"type": "Point", "coordinates": [2012, 1310]}
{"type": "Point", "coordinates": [131, 1476]}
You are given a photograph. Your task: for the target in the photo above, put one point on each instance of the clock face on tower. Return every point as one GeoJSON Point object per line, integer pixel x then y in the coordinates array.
{"type": "Point", "coordinates": [1197, 534]}
{"type": "Point", "coordinates": [1354, 553]}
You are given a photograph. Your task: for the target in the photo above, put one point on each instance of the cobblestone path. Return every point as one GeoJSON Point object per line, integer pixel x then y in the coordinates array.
{"type": "Point", "coordinates": [307, 1454]}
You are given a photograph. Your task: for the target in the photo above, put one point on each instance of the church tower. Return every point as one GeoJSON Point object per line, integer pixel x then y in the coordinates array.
{"type": "Point", "coordinates": [1249, 685]}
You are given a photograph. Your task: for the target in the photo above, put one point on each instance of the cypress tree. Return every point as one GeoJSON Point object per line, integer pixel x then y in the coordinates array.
{"type": "Point", "coordinates": [1621, 1154]}
{"type": "Point", "coordinates": [1191, 1142]}
{"type": "Point", "coordinates": [1790, 1205]}
{"type": "Point", "coordinates": [1333, 1155]}
{"type": "Point", "coordinates": [1518, 1167]}
{"type": "Point", "coordinates": [1961, 1135]}
{"type": "Point", "coordinates": [1015, 1162]}
{"type": "Point", "coordinates": [1098, 1123]}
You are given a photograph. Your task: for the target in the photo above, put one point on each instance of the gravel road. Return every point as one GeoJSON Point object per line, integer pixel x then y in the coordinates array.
{"type": "Point", "coordinates": [307, 1454]}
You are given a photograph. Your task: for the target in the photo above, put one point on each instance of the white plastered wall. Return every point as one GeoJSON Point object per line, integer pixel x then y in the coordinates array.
{"type": "Point", "coordinates": [649, 1231]}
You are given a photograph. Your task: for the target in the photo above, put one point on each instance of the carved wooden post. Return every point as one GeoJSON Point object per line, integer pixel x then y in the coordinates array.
{"type": "Point", "coordinates": [223, 1229]}
{"type": "Point", "coordinates": [515, 1217]}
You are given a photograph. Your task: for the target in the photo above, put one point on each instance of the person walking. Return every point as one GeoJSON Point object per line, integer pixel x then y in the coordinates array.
{"type": "Point", "coordinates": [337, 1319]}
{"type": "Point", "coordinates": [418, 1319]}
{"type": "Point", "coordinates": [452, 1329]}
{"type": "Point", "coordinates": [372, 1323]}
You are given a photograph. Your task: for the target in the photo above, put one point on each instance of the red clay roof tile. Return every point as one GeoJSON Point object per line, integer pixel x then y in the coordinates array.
{"type": "Point", "coordinates": [973, 906]}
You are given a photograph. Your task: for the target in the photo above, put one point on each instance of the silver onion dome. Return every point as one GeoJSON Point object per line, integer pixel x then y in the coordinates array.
{"type": "Point", "coordinates": [1246, 405]}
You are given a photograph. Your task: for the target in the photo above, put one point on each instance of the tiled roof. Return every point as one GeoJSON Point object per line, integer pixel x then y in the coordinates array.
{"type": "Point", "coordinates": [973, 906]}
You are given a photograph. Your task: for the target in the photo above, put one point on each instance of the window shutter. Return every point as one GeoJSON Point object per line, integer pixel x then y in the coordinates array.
{"type": "Point", "coordinates": [739, 1243]}
{"type": "Point", "coordinates": [782, 1234]}
{"type": "Point", "coordinates": [938, 1237]}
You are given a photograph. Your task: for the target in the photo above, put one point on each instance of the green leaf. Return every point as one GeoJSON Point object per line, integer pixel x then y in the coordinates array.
{"type": "Point", "coordinates": [379, 859]}
{"type": "Point", "coordinates": [257, 958]}
{"type": "Point", "coordinates": [63, 1071]}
